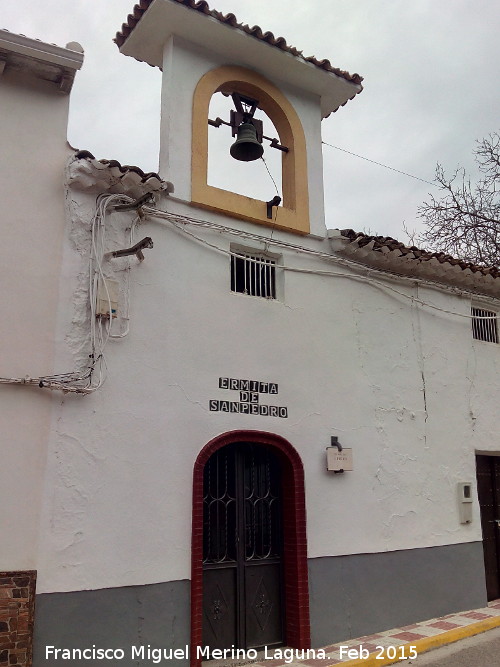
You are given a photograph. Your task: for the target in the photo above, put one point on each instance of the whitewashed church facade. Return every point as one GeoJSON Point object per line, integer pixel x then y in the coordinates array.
{"type": "Point", "coordinates": [188, 354]}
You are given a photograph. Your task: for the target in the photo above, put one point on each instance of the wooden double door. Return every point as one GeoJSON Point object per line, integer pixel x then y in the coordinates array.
{"type": "Point", "coordinates": [242, 548]}
{"type": "Point", "coordinates": [488, 488]}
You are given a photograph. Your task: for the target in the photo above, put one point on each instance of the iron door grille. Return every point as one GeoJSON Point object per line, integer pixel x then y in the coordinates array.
{"type": "Point", "coordinates": [484, 325]}
{"type": "Point", "coordinates": [241, 506]}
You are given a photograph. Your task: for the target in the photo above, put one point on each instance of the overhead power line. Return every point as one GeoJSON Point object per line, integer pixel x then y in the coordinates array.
{"type": "Point", "coordinates": [378, 163]}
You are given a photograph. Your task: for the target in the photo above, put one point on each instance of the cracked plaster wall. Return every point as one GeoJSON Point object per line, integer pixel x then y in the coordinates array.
{"type": "Point", "coordinates": [405, 387]}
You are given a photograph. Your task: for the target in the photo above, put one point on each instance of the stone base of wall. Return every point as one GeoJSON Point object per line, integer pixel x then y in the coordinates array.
{"type": "Point", "coordinates": [350, 596]}
{"type": "Point", "coordinates": [17, 605]}
{"type": "Point", "coordinates": [353, 596]}
{"type": "Point", "coordinates": [119, 618]}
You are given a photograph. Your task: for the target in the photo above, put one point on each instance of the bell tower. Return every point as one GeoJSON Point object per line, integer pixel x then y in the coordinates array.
{"type": "Point", "coordinates": [202, 52]}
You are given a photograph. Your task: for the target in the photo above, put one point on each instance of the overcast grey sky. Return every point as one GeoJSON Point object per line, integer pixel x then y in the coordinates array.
{"type": "Point", "coordinates": [430, 68]}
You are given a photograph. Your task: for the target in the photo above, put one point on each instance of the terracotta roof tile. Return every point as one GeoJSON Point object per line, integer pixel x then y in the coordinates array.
{"type": "Point", "coordinates": [386, 243]}
{"type": "Point", "coordinates": [231, 20]}
{"type": "Point", "coordinates": [122, 167]}
{"type": "Point", "coordinates": [92, 175]}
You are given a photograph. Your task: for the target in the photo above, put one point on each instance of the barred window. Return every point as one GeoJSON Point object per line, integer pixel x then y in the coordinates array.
{"type": "Point", "coordinates": [484, 325]}
{"type": "Point", "coordinates": [253, 274]}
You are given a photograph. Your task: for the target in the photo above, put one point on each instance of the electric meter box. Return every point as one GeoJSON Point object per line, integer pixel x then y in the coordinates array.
{"type": "Point", "coordinates": [107, 295]}
{"type": "Point", "coordinates": [464, 491]}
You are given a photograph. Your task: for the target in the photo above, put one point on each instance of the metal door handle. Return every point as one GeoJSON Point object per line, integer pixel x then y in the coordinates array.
{"type": "Point", "coordinates": [497, 521]}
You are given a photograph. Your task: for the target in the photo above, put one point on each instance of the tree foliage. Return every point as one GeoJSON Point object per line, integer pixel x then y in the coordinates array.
{"type": "Point", "coordinates": [464, 221]}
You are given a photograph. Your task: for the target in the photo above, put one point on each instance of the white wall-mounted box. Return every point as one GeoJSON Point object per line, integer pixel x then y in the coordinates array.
{"type": "Point", "coordinates": [107, 297]}
{"type": "Point", "coordinates": [337, 461]}
{"type": "Point", "coordinates": [464, 490]}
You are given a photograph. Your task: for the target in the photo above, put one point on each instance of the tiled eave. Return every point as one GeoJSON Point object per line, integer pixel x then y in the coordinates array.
{"type": "Point", "coordinates": [231, 21]}
{"type": "Point", "coordinates": [86, 173]}
{"type": "Point", "coordinates": [387, 254]}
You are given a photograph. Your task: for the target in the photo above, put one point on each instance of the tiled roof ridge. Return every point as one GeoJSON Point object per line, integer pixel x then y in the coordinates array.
{"type": "Point", "coordinates": [231, 20]}
{"type": "Point", "coordinates": [80, 155]}
{"type": "Point", "coordinates": [35, 39]}
{"type": "Point", "coordinates": [68, 46]}
{"type": "Point", "coordinates": [87, 174]}
{"type": "Point", "coordinates": [380, 242]}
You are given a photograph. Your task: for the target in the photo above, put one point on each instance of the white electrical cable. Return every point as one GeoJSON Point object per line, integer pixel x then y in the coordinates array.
{"type": "Point", "coordinates": [101, 326]}
{"type": "Point", "coordinates": [93, 377]}
{"type": "Point", "coordinates": [126, 310]}
{"type": "Point", "coordinates": [343, 261]}
{"type": "Point", "coordinates": [184, 220]}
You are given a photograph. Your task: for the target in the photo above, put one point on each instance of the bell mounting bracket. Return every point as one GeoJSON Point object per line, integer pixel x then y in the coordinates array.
{"type": "Point", "coordinates": [243, 112]}
{"type": "Point", "coordinates": [275, 201]}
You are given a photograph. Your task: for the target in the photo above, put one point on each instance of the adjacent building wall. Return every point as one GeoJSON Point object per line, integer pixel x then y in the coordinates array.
{"type": "Point", "coordinates": [34, 150]}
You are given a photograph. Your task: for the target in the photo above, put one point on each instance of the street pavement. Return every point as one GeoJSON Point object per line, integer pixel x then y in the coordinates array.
{"type": "Point", "coordinates": [461, 639]}
{"type": "Point", "coordinates": [479, 651]}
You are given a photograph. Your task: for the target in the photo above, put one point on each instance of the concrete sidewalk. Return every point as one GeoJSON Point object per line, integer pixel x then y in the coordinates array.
{"type": "Point", "coordinates": [386, 648]}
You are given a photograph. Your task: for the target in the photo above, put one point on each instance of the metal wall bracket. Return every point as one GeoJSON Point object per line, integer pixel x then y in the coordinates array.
{"type": "Point", "coordinates": [275, 201]}
{"type": "Point", "coordinates": [147, 198]}
{"type": "Point", "coordinates": [334, 442]}
{"type": "Point", "coordinates": [147, 242]}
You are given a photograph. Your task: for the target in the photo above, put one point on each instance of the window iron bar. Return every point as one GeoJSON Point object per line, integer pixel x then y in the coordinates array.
{"type": "Point", "coordinates": [484, 325]}
{"type": "Point", "coordinates": [254, 275]}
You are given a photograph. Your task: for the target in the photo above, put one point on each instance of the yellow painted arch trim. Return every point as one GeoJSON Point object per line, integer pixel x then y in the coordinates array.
{"type": "Point", "coordinates": [294, 214]}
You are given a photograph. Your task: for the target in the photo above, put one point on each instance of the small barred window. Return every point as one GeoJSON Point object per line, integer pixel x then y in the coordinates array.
{"type": "Point", "coordinates": [484, 325]}
{"type": "Point", "coordinates": [253, 274]}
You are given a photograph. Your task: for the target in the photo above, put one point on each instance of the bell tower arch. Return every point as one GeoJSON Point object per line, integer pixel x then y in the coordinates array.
{"type": "Point", "coordinates": [294, 215]}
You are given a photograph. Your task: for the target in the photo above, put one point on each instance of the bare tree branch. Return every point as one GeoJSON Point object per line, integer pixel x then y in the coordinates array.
{"type": "Point", "coordinates": [465, 220]}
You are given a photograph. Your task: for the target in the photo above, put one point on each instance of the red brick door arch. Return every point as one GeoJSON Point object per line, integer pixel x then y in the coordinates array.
{"type": "Point", "coordinates": [296, 603]}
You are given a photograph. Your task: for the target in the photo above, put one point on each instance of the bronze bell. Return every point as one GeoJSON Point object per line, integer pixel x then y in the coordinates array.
{"type": "Point", "coordinates": [246, 147]}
